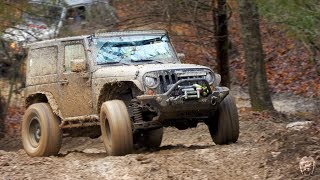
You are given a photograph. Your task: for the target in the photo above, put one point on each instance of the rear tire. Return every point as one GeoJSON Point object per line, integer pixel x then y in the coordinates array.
{"type": "Point", "coordinates": [224, 125]}
{"type": "Point", "coordinates": [41, 134]}
{"type": "Point", "coordinates": [152, 139]}
{"type": "Point", "coordinates": [116, 130]}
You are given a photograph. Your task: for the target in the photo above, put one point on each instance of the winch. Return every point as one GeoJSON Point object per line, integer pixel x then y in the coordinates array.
{"type": "Point", "coordinates": [194, 91]}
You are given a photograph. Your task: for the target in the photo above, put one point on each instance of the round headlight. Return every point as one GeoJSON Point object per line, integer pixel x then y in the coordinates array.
{"type": "Point", "coordinates": [150, 81]}
{"type": "Point", "coordinates": [209, 77]}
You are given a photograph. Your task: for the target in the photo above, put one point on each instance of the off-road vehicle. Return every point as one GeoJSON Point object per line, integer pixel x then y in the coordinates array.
{"type": "Point", "coordinates": [44, 20]}
{"type": "Point", "coordinates": [122, 86]}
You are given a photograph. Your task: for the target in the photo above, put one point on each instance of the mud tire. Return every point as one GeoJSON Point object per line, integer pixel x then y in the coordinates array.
{"type": "Point", "coordinates": [41, 134]}
{"type": "Point", "coordinates": [116, 130]}
{"type": "Point", "coordinates": [152, 139]}
{"type": "Point", "coordinates": [224, 125]}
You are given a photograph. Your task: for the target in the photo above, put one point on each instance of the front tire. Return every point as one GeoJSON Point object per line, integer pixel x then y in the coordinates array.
{"type": "Point", "coordinates": [41, 134]}
{"type": "Point", "coordinates": [224, 125]}
{"type": "Point", "coordinates": [116, 130]}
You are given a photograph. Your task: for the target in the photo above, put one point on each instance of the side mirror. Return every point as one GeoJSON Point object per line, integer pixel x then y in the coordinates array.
{"type": "Point", "coordinates": [181, 56]}
{"type": "Point", "coordinates": [78, 65]}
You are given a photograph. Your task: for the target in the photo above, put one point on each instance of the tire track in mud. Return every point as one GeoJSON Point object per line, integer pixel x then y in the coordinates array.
{"type": "Point", "coordinates": [187, 154]}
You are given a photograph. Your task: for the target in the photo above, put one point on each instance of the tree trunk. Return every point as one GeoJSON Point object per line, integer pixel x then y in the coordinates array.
{"type": "Point", "coordinates": [254, 59]}
{"type": "Point", "coordinates": [315, 56]}
{"type": "Point", "coordinates": [222, 43]}
{"type": "Point", "coordinates": [2, 106]}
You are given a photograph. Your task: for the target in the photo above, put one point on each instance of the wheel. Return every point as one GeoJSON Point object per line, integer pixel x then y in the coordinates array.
{"type": "Point", "coordinates": [224, 126]}
{"type": "Point", "coordinates": [41, 134]}
{"type": "Point", "coordinates": [116, 131]}
{"type": "Point", "coordinates": [151, 139]}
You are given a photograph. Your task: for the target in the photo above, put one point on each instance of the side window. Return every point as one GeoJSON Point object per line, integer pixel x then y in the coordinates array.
{"type": "Point", "coordinates": [71, 52]}
{"type": "Point", "coordinates": [43, 61]}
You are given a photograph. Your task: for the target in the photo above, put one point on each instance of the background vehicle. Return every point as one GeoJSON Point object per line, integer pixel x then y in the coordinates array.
{"type": "Point", "coordinates": [43, 20]}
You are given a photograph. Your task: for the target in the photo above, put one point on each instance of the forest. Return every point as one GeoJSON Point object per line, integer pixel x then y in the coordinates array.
{"type": "Point", "coordinates": [266, 51]}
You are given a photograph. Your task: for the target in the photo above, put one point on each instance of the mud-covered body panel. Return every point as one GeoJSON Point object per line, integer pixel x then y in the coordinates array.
{"type": "Point", "coordinates": [76, 96]}
{"type": "Point", "coordinates": [34, 91]}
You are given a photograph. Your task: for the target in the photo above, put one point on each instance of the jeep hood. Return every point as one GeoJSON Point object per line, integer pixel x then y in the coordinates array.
{"type": "Point", "coordinates": [135, 71]}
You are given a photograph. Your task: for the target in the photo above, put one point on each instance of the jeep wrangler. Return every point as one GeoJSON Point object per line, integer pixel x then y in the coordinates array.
{"type": "Point", "coordinates": [123, 86]}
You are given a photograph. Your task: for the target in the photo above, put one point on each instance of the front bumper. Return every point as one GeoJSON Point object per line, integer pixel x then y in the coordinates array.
{"type": "Point", "coordinates": [189, 104]}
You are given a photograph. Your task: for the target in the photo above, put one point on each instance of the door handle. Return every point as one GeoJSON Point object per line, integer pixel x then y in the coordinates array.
{"type": "Point", "coordinates": [64, 82]}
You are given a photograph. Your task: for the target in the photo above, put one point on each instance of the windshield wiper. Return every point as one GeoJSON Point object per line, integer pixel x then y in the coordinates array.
{"type": "Point", "coordinates": [114, 62]}
{"type": "Point", "coordinates": [147, 60]}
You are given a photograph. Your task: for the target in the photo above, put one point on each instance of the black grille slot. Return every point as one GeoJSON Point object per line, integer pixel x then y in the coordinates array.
{"type": "Point", "coordinates": [168, 80]}
{"type": "Point", "coordinates": [162, 84]}
{"type": "Point", "coordinates": [173, 78]}
{"type": "Point", "coordinates": [190, 77]}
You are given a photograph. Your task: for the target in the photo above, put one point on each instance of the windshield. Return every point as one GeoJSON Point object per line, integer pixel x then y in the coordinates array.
{"type": "Point", "coordinates": [135, 49]}
{"type": "Point", "coordinates": [42, 13]}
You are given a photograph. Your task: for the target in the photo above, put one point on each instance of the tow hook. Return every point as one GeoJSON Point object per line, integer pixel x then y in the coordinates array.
{"type": "Point", "coordinates": [214, 100]}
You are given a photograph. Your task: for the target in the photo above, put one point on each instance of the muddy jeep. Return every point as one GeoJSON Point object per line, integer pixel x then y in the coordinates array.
{"type": "Point", "coordinates": [122, 86]}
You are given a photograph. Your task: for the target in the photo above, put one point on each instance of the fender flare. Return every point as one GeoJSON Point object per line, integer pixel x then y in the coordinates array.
{"type": "Point", "coordinates": [51, 100]}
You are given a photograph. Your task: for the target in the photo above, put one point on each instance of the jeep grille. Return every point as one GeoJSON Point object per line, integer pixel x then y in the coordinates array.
{"type": "Point", "coordinates": [169, 77]}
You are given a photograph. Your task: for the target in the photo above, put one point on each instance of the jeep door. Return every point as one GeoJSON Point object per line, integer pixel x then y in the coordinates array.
{"type": "Point", "coordinates": [75, 85]}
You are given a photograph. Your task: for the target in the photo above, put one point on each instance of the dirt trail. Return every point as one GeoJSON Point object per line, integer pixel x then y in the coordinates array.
{"type": "Point", "coordinates": [260, 153]}
{"type": "Point", "coordinates": [187, 154]}
{"type": "Point", "coordinates": [266, 150]}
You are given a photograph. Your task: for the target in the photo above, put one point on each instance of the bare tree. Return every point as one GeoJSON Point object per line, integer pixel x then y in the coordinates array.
{"type": "Point", "coordinates": [10, 62]}
{"type": "Point", "coordinates": [254, 59]}
{"type": "Point", "coordinates": [222, 41]}
{"type": "Point", "coordinates": [2, 115]}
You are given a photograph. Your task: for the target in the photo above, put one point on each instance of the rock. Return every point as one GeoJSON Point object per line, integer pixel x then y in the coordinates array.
{"type": "Point", "coordinates": [256, 177]}
{"type": "Point", "coordinates": [202, 151]}
{"type": "Point", "coordinates": [275, 154]}
{"type": "Point", "coordinates": [2, 152]}
{"type": "Point", "coordinates": [307, 165]}
{"type": "Point", "coordinates": [141, 158]}
{"type": "Point", "coordinates": [147, 161]}
{"type": "Point", "coordinates": [299, 125]}
{"type": "Point", "coordinates": [93, 151]}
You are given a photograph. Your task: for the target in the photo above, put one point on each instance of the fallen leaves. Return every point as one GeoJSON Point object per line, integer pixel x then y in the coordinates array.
{"type": "Point", "coordinates": [13, 121]}
{"type": "Point", "coordinates": [288, 65]}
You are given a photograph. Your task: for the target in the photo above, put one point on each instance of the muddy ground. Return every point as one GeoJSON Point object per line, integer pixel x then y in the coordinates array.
{"type": "Point", "coordinates": [266, 150]}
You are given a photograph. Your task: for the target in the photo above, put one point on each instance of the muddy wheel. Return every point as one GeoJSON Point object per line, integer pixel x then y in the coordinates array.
{"type": "Point", "coordinates": [41, 134]}
{"type": "Point", "coordinates": [116, 131]}
{"type": "Point", "coordinates": [224, 126]}
{"type": "Point", "coordinates": [152, 139]}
